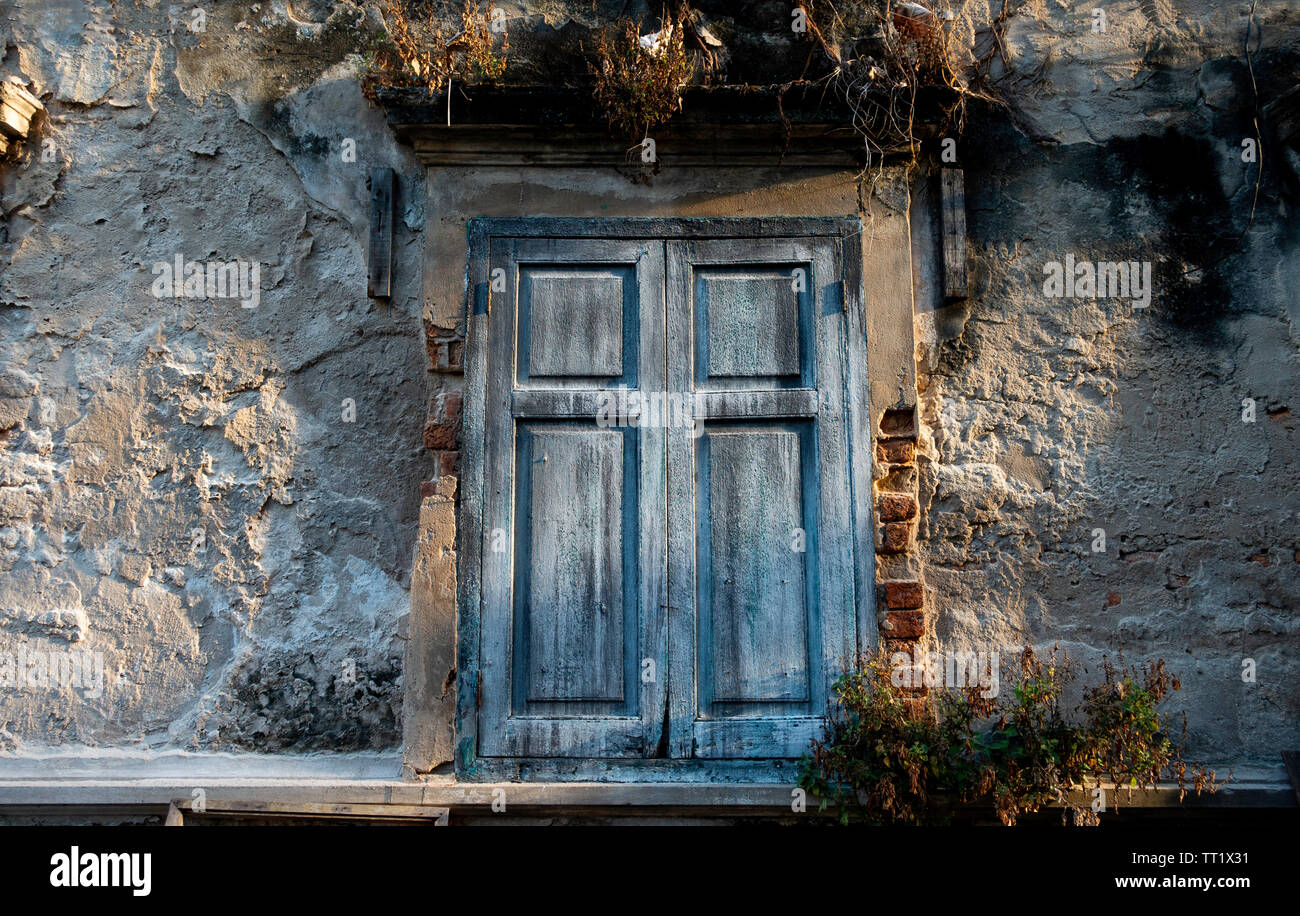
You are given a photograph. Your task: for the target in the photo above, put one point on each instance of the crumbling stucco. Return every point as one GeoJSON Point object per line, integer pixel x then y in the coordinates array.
{"type": "Point", "coordinates": [129, 424]}
{"type": "Point", "coordinates": [183, 488]}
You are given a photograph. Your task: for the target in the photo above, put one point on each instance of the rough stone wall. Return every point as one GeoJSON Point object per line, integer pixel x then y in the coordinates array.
{"type": "Point", "coordinates": [181, 489]}
{"type": "Point", "coordinates": [1089, 474]}
{"type": "Point", "coordinates": [130, 421]}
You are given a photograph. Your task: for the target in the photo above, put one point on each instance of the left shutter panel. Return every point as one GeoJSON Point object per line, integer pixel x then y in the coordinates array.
{"type": "Point", "coordinates": [573, 556]}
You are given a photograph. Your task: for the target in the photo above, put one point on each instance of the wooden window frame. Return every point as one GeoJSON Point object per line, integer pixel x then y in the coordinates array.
{"type": "Point", "coordinates": [481, 232]}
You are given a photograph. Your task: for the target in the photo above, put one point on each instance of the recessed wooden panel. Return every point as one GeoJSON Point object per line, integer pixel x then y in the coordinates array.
{"type": "Point", "coordinates": [573, 321]}
{"type": "Point", "coordinates": [753, 550]}
{"type": "Point", "coordinates": [572, 573]}
{"type": "Point", "coordinates": [751, 322]}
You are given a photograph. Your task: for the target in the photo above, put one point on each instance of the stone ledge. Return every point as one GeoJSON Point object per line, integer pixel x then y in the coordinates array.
{"type": "Point", "coordinates": [1266, 788]}
{"type": "Point", "coordinates": [91, 765]}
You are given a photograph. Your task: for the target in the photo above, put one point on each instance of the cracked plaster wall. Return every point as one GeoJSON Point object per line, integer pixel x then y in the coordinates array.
{"type": "Point", "coordinates": [130, 421]}
{"type": "Point", "coordinates": [1047, 420]}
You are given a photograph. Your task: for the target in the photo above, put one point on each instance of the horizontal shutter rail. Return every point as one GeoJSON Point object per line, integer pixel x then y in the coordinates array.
{"type": "Point", "coordinates": [597, 404]}
{"type": "Point", "coordinates": [544, 252]}
{"type": "Point", "coordinates": [570, 403]}
{"type": "Point", "coordinates": [759, 404]}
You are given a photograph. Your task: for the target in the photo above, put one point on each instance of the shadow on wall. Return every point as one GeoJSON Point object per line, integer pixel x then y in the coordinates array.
{"type": "Point", "coordinates": [1115, 477]}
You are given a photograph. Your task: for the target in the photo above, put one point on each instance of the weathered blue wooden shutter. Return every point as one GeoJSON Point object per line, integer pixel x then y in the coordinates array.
{"type": "Point", "coordinates": [573, 555]}
{"type": "Point", "coordinates": [681, 590]}
{"type": "Point", "coordinates": [760, 503]}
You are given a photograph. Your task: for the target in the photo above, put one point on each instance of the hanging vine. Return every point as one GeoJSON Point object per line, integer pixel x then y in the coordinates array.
{"type": "Point", "coordinates": [888, 59]}
{"type": "Point", "coordinates": [418, 51]}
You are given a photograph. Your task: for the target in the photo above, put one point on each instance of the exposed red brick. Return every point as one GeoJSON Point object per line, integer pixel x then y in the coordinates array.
{"type": "Point", "coordinates": [445, 355]}
{"type": "Point", "coordinates": [428, 488]}
{"type": "Point", "coordinates": [898, 478]}
{"type": "Point", "coordinates": [896, 537]}
{"type": "Point", "coordinates": [1261, 559]}
{"type": "Point", "coordinates": [430, 338]}
{"type": "Point", "coordinates": [440, 436]}
{"type": "Point", "coordinates": [456, 356]}
{"type": "Point", "coordinates": [443, 432]}
{"type": "Point", "coordinates": [447, 463]}
{"type": "Point", "coordinates": [896, 507]}
{"type": "Point", "coordinates": [898, 422]}
{"type": "Point", "coordinates": [437, 340]}
{"type": "Point", "coordinates": [905, 624]}
{"type": "Point", "coordinates": [451, 405]}
{"type": "Point", "coordinates": [896, 451]}
{"type": "Point", "coordinates": [434, 330]}
{"type": "Point", "coordinates": [1113, 599]}
{"type": "Point", "coordinates": [901, 595]}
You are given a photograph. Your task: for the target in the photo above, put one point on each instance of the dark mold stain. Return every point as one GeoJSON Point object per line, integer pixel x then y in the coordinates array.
{"type": "Point", "coordinates": [290, 701]}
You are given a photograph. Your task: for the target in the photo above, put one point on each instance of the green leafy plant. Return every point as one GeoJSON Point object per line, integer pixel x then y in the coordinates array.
{"type": "Point", "coordinates": [890, 755]}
